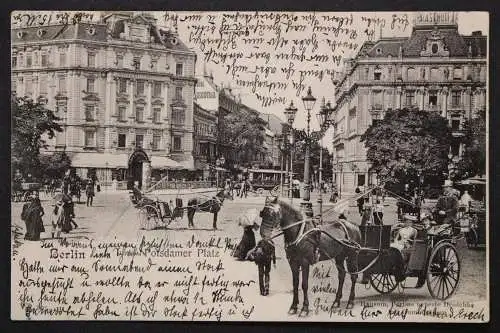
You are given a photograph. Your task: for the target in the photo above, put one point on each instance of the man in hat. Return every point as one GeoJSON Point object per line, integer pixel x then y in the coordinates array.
{"type": "Point", "coordinates": [447, 205]}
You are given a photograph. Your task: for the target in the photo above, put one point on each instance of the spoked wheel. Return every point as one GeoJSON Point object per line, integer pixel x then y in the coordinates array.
{"type": "Point", "coordinates": [384, 283]}
{"type": "Point", "coordinates": [148, 217]}
{"type": "Point", "coordinates": [443, 271]}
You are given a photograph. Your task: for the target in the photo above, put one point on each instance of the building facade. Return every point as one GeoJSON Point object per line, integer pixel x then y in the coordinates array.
{"type": "Point", "coordinates": [435, 69]}
{"type": "Point", "coordinates": [123, 87]}
{"type": "Point", "coordinates": [204, 140]}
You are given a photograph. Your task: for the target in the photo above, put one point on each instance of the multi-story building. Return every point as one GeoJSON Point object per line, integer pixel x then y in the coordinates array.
{"type": "Point", "coordinates": [435, 69]}
{"type": "Point", "coordinates": [275, 126]}
{"type": "Point", "coordinates": [204, 140]}
{"type": "Point", "coordinates": [206, 108]}
{"type": "Point", "coordinates": [123, 87]}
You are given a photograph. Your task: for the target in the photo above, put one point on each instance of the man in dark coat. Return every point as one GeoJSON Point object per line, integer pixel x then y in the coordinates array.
{"type": "Point", "coordinates": [447, 205]}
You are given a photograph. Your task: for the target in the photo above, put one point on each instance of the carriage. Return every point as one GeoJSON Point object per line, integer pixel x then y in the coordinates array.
{"type": "Point", "coordinates": [155, 213]}
{"type": "Point", "coordinates": [24, 191]}
{"type": "Point", "coordinates": [430, 256]}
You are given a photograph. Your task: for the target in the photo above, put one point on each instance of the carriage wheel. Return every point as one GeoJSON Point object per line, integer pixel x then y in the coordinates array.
{"type": "Point", "coordinates": [260, 191]}
{"type": "Point", "coordinates": [384, 283]}
{"type": "Point", "coordinates": [443, 271]}
{"type": "Point", "coordinates": [148, 217]}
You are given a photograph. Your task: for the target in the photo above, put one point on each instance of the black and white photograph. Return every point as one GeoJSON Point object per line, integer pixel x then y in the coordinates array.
{"type": "Point", "coordinates": [260, 166]}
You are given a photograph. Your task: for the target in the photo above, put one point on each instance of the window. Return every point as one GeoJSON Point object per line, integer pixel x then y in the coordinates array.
{"type": "Point", "coordinates": [119, 61]}
{"type": "Point", "coordinates": [14, 86]}
{"type": "Point", "coordinates": [44, 60]}
{"type": "Point", "coordinates": [122, 86]}
{"type": "Point", "coordinates": [89, 113]}
{"type": "Point", "coordinates": [122, 113]}
{"type": "Point", "coordinates": [157, 89]}
{"type": "Point", "coordinates": [433, 98]}
{"type": "Point", "coordinates": [29, 87]}
{"type": "Point", "coordinates": [377, 100]}
{"type": "Point", "coordinates": [14, 62]}
{"type": "Point", "coordinates": [136, 63]}
{"type": "Point", "coordinates": [90, 84]}
{"type": "Point", "coordinates": [43, 85]}
{"type": "Point", "coordinates": [455, 98]}
{"type": "Point", "coordinates": [377, 76]}
{"type": "Point", "coordinates": [177, 143]}
{"type": "Point", "coordinates": [62, 59]}
{"type": "Point", "coordinates": [435, 74]}
{"type": "Point", "coordinates": [455, 148]}
{"type": "Point", "coordinates": [412, 74]}
{"type": "Point", "coordinates": [89, 138]}
{"type": "Point", "coordinates": [122, 140]}
{"type": "Point", "coordinates": [91, 60]}
{"type": "Point", "coordinates": [61, 108]}
{"type": "Point", "coordinates": [178, 116]}
{"type": "Point", "coordinates": [457, 73]}
{"type": "Point", "coordinates": [28, 60]}
{"type": "Point", "coordinates": [178, 69]}
{"type": "Point", "coordinates": [455, 124]}
{"type": "Point", "coordinates": [410, 98]}
{"type": "Point", "coordinates": [139, 140]}
{"type": "Point", "coordinates": [62, 84]}
{"type": "Point", "coordinates": [352, 120]}
{"type": "Point", "coordinates": [156, 115]}
{"type": "Point", "coordinates": [178, 93]}
{"type": "Point", "coordinates": [154, 65]}
{"type": "Point", "coordinates": [361, 180]}
{"type": "Point", "coordinates": [156, 142]}
{"type": "Point", "coordinates": [139, 113]}
{"type": "Point", "coordinates": [434, 48]}
{"type": "Point", "coordinates": [139, 88]}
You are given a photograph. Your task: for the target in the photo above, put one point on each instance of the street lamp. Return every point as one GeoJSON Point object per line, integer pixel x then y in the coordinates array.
{"type": "Point", "coordinates": [281, 147]}
{"type": "Point", "coordinates": [322, 117]}
{"type": "Point", "coordinates": [220, 161]}
{"type": "Point", "coordinates": [309, 101]}
{"type": "Point", "coordinates": [290, 113]}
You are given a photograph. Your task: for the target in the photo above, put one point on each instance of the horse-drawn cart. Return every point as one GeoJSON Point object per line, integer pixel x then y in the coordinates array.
{"type": "Point", "coordinates": [156, 213]}
{"type": "Point", "coordinates": [428, 254]}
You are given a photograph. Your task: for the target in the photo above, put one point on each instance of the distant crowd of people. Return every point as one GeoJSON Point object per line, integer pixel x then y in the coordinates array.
{"type": "Point", "coordinates": [63, 212]}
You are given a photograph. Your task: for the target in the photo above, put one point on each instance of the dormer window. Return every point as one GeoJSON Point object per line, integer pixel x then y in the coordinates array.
{"type": "Point", "coordinates": [434, 48]}
{"type": "Point", "coordinates": [379, 51]}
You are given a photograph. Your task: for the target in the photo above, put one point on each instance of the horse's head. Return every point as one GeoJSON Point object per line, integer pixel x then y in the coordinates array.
{"type": "Point", "coordinates": [224, 194]}
{"type": "Point", "coordinates": [271, 217]}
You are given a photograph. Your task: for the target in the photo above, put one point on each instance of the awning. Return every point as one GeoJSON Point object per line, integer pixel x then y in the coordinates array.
{"type": "Point", "coordinates": [187, 164]}
{"type": "Point", "coordinates": [99, 160]}
{"type": "Point", "coordinates": [200, 165]}
{"type": "Point", "coordinates": [163, 162]}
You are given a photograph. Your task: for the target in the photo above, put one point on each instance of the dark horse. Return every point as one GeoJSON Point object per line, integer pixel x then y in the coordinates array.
{"type": "Point", "coordinates": [210, 205]}
{"type": "Point", "coordinates": [305, 245]}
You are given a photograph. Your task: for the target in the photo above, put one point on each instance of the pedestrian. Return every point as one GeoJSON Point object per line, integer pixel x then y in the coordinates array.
{"type": "Point", "coordinates": [262, 255]}
{"type": "Point", "coordinates": [446, 208]}
{"type": "Point", "coordinates": [32, 216]}
{"type": "Point", "coordinates": [57, 219]}
{"type": "Point", "coordinates": [466, 200]}
{"type": "Point", "coordinates": [378, 213]}
{"type": "Point", "coordinates": [89, 192]}
{"type": "Point", "coordinates": [360, 201]}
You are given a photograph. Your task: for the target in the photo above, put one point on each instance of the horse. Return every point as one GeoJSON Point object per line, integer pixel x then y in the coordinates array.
{"type": "Point", "coordinates": [202, 204]}
{"type": "Point", "coordinates": [306, 245]}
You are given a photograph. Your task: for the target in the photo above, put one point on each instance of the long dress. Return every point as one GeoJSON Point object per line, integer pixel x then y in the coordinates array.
{"type": "Point", "coordinates": [32, 215]}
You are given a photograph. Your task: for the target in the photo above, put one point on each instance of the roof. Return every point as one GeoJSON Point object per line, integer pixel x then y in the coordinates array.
{"type": "Point", "coordinates": [456, 44]}
{"type": "Point", "coordinates": [86, 31]}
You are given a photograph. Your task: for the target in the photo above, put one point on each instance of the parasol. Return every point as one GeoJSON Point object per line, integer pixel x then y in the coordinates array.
{"type": "Point", "coordinates": [62, 197]}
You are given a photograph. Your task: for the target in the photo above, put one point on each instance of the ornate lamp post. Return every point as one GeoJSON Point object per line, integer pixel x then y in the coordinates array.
{"type": "Point", "coordinates": [322, 117]}
{"type": "Point", "coordinates": [290, 113]}
{"type": "Point", "coordinates": [220, 162]}
{"type": "Point", "coordinates": [309, 101]}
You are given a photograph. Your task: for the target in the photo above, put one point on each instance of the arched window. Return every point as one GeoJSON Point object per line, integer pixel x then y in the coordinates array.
{"type": "Point", "coordinates": [377, 74]}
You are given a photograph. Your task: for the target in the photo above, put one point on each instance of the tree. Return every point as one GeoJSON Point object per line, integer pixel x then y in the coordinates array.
{"type": "Point", "coordinates": [473, 161]}
{"type": "Point", "coordinates": [30, 121]}
{"type": "Point", "coordinates": [243, 136]}
{"type": "Point", "coordinates": [55, 165]}
{"type": "Point", "coordinates": [407, 145]}
{"type": "Point", "coordinates": [299, 157]}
